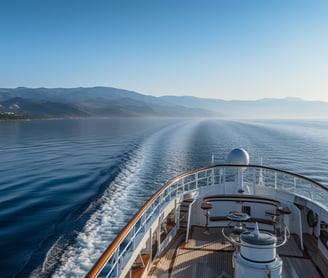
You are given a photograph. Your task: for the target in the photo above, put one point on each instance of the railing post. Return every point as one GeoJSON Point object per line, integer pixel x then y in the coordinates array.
{"type": "Point", "coordinates": [171, 192]}
{"type": "Point", "coordinates": [275, 180]}
{"type": "Point", "coordinates": [254, 181]}
{"type": "Point", "coordinates": [224, 181]}
{"type": "Point", "coordinates": [134, 237]}
{"type": "Point", "coordinates": [197, 180]}
{"type": "Point", "coordinates": [188, 220]}
{"type": "Point", "coordinates": [294, 184]}
{"type": "Point", "coordinates": [161, 203]}
{"type": "Point", "coordinates": [117, 254]}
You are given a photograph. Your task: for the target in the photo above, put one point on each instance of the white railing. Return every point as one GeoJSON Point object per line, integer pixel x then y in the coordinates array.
{"type": "Point", "coordinates": [254, 176]}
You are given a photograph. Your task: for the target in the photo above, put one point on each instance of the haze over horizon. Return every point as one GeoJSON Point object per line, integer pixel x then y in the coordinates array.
{"type": "Point", "coordinates": [169, 95]}
{"type": "Point", "coordinates": [243, 50]}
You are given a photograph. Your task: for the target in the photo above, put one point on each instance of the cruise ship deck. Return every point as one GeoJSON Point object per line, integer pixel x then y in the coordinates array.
{"type": "Point", "coordinates": [211, 255]}
{"type": "Point", "coordinates": [225, 221]}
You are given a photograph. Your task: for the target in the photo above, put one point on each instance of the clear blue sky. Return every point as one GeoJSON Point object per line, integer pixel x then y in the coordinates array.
{"type": "Point", "coordinates": [230, 49]}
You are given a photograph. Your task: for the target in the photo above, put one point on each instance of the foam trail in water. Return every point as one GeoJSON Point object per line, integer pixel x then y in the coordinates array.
{"type": "Point", "coordinates": [116, 207]}
{"type": "Point", "coordinates": [99, 230]}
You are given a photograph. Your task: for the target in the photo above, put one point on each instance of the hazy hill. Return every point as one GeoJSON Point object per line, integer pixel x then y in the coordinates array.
{"type": "Point", "coordinates": [35, 108]}
{"type": "Point", "coordinates": [111, 102]}
{"type": "Point", "coordinates": [263, 108]}
{"type": "Point", "coordinates": [83, 102]}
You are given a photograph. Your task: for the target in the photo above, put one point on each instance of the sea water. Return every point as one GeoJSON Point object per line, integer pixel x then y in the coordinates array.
{"type": "Point", "coordinates": [67, 187]}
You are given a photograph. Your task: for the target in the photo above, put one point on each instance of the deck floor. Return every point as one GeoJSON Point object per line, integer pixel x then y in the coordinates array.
{"type": "Point", "coordinates": [211, 256]}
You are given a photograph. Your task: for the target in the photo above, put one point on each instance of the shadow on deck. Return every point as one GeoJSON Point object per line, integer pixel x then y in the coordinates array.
{"type": "Point", "coordinates": [210, 255]}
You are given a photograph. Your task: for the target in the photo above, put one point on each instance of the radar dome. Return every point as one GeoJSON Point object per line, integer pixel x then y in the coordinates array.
{"type": "Point", "coordinates": [239, 157]}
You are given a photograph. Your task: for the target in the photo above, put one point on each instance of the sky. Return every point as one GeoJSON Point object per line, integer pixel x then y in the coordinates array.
{"type": "Point", "coordinates": [227, 49]}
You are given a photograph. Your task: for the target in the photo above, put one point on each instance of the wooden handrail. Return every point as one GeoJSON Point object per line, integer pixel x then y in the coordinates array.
{"type": "Point", "coordinates": [115, 244]}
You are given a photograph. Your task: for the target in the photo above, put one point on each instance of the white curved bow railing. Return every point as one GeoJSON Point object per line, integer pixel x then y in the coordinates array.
{"type": "Point", "coordinates": [254, 176]}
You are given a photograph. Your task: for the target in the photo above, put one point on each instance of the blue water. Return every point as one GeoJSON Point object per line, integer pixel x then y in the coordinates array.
{"type": "Point", "coordinates": [68, 186]}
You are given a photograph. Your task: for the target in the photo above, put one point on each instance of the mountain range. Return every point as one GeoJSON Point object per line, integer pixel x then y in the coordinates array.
{"type": "Point", "coordinates": [24, 102]}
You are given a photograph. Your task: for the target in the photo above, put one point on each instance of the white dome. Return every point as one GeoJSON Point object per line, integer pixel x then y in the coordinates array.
{"type": "Point", "coordinates": [239, 157]}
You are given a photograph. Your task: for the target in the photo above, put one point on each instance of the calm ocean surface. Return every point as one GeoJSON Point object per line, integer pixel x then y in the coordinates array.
{"type": "Point", "coordinates": [68, 186]}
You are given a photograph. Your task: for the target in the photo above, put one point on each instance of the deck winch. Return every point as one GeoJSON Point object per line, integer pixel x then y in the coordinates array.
{"type": "Point", "coordinates": [257, 255]}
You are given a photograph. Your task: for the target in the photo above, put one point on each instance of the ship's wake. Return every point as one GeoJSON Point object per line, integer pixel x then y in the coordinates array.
{"type": "Point", "coordinates": [137, 179]}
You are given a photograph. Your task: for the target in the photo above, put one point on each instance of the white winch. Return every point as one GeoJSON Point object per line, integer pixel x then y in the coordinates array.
{"type": "Point", "coordinates": [257, 256]}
